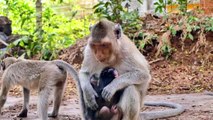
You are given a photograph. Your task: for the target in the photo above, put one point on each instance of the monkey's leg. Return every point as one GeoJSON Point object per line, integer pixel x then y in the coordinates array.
{"type": "Point", "coordinates": [43, 102]}
{"type": "Point", "coordinates": [25, 108]}
{"type": "Point", "coordinates": [3, 96]}
{"type": "Point", "coordinates": [118, 114]}
{"type": "Point", "coordinates": [58, 93]}
{"type": "Point", "coordinates": [130, 103]}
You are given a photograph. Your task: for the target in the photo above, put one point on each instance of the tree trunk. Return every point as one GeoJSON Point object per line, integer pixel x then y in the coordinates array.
{"type": "Point", "coordinates": [39, 19]}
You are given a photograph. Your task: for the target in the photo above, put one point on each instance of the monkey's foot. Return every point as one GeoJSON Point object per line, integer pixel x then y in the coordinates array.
{"type": "Point", "coordinates": [53, 115]}
{"type": "Point", "coordinates": [23, 113]}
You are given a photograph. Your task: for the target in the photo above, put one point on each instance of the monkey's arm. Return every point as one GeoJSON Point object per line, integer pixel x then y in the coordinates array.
{"type": "Point", "coordinates": [136, 77]}
{"type": "Point", "coordinates": [84, 75]}
{"type": "Point", "coordinates": [88, 92]}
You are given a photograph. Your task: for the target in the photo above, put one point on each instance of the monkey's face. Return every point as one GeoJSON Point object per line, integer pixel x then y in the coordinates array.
{"type": "Point", "coordinates": [103, 51]}
{"type": "Point", "coordinates": [104, 41]}
{"type": "Point", "coordinates": [6, 62]}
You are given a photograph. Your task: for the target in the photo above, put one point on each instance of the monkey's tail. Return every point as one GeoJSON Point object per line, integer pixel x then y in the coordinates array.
{"type": "Point", "coordinates": [208, 93]}
{"type": "Point", "coordinates": [74, 74]}
{"type": "Point", "coordinates": [68, 68]}
{"type": "Point", "coordinates": [177, 109]}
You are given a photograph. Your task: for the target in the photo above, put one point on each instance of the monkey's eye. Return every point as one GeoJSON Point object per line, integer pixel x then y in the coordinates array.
{"type": "Point", "coordinates": [105, 45]}
{"type": "Point", "coordinates": [117, 31]}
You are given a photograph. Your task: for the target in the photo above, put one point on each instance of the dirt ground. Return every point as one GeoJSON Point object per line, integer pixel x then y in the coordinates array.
{"type": "Point", "coordinates": [173, 81]}
{"type": "Point", "coordinates": [197, 107]}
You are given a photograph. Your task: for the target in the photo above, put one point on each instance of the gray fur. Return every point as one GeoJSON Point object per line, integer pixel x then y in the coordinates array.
{"type": "Point", "coordinates": [134, 74]}
{"type": "Point", "coordinates": [42, 75]}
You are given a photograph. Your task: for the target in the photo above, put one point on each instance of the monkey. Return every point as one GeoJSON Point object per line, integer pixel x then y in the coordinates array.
{"type": "Point", "coordinates": [5, 25]}
{"type": "Point", "coordinates": [108, 46]}
{"type": "Point", "coordinates": [107, 110]}
{"type": "Point", "coordinates": [44, 76]}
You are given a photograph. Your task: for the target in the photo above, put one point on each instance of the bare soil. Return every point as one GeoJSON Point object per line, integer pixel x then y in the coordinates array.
{"type": "Point", "coordinates": [198, 107]}
{"type": "Point", "coordinates": [180, 79]}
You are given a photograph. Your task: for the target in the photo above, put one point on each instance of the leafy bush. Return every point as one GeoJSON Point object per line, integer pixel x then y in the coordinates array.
{"type": "Point", "coordinates": [166, 50]}
{"type": "Point", "coordinates": [160, 5]}
{"type": "Point", "coordinates": [109, 9]}
{"type": "Point", "coordinates": [59, 31]}
{"type": "Point", "coordinates": [131, 23]}
{"type": "Point", "coordinates": [209, 24]}
{"type": "Point", "coordinates": [114, 11]}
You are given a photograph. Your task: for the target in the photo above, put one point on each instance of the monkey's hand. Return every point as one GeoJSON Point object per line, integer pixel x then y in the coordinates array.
{"type": "Point", "coordinates": [89, 97]}
{"type": "Point", "coordinates": [108, 92]}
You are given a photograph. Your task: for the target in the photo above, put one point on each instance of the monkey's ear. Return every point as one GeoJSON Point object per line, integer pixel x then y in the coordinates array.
{"type": "Point", "coordinates": [22, 56]}
{"type": "Point", "coordinates": [118, 31]}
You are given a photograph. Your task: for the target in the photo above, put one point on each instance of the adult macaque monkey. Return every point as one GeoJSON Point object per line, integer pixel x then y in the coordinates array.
{"type": "Point", "coordinates": [33, 74]}
{"type": "Point", "coordinates": [108, 46]}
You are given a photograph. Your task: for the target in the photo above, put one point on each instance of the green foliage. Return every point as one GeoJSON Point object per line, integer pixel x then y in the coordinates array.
{"type": "Point", "coordinates": [188, 25]}
{"type": "Point", "coordinates": [166, 49]}
{"type": "Point", "coordinates": [59, 31]}
{"type": "Point", "coordinates": [173, 31]}
{"type": "Point", "coordinates": [131, 22]}
{"type": "Point", "coordinates": [114, 11]}
{"type": "Point", "coordinates": [146, 39]}
{"type": "Point", "coordinates": [209, 24]}
{"type": "Point", "coordinates": [182, 5]}
{"type": "Point", "coordinates": [109, 9]}
{"type": "Point", "coordinates": [21, 13]}
{"type": "Point", "coordinates": [160, 5]}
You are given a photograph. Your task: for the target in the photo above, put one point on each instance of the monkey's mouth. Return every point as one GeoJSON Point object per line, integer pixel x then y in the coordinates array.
{"type": "Point", "coordinates": [107, 61]}
{"type": "Point", "coordinates": [102, 60]}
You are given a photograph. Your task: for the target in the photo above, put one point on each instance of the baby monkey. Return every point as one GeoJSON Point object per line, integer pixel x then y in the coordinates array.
{"type": "Point", "coordinates": [106, 110]}
{"type": "Point", "coordinates": [45, 76]}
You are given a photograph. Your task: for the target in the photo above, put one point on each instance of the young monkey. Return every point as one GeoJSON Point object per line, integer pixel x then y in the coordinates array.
{"type": "Point", "coordinates": [34, 74]}
{"type": "Point", "coordinates": [107, 110]}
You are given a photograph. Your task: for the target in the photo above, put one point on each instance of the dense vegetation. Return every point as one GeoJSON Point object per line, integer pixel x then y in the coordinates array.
{"type": "Point", "coordinates": [184, 24]}
{"type": "Point", "coordinates": [58, 30]}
